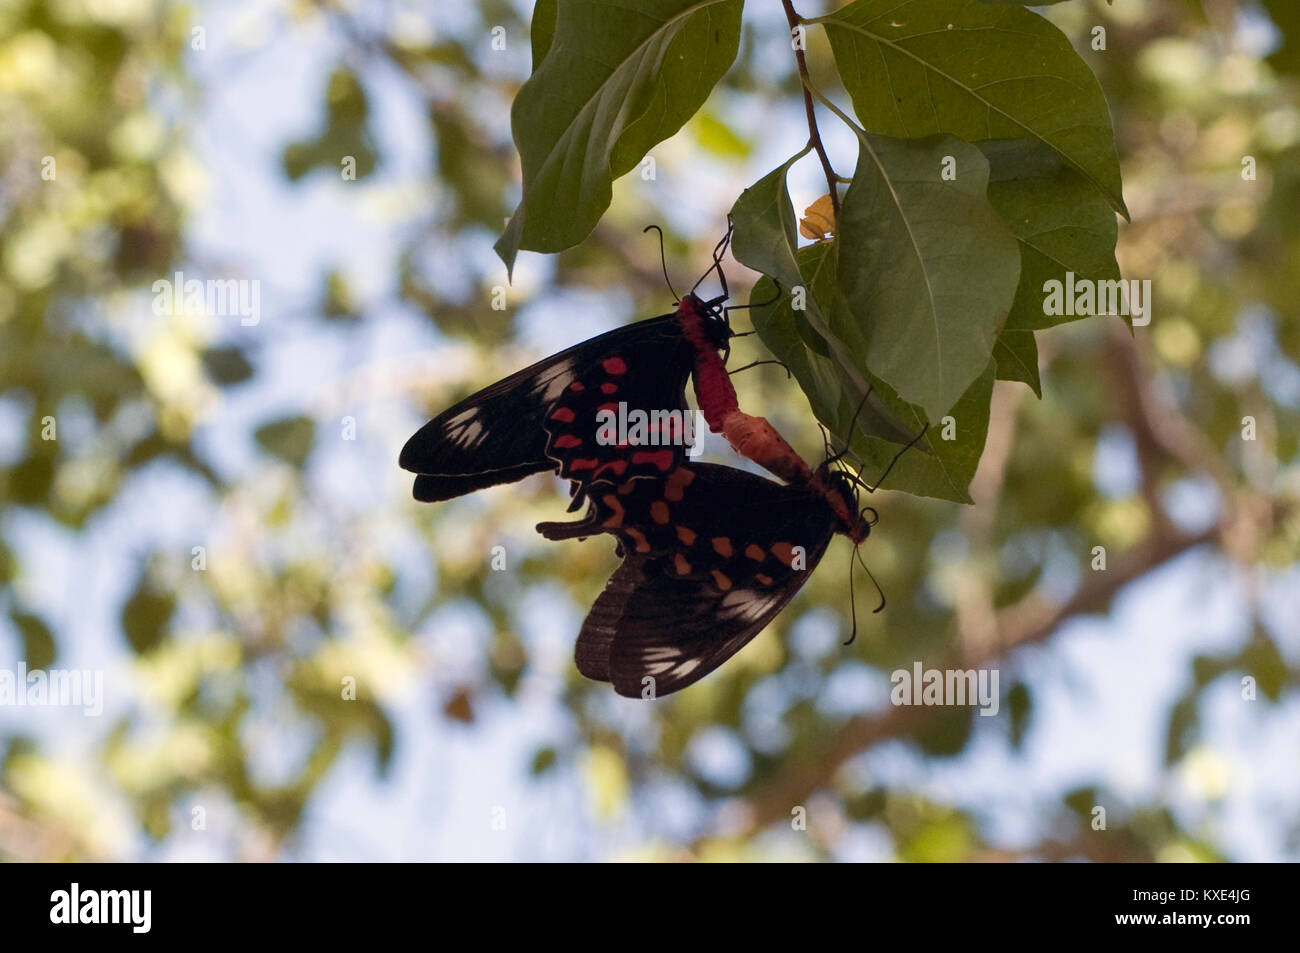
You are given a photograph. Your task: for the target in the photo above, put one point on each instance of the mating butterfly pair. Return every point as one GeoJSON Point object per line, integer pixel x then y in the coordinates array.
{"type": "Point", "coordinates": [710, 553]}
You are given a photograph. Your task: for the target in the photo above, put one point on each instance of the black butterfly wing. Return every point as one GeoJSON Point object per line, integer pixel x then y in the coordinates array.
{"type": "Point", "coordinates": [543, 417]}
{"type": "Point", "coordinates": [711, 555]}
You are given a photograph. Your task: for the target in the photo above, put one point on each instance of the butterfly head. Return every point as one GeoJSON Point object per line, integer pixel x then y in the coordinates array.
{"type": "Point", "coordinates": [843, 499]}
{"type": "Point", "coordinates": [709, 317]}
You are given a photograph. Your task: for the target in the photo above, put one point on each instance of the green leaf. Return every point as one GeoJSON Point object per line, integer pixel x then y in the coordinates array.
{"type": "Point", "coordinates": [1285, 14]}
{"type": "Point", "coordinates": [227, 365]}
{"type": "Point", "coordinates": [1020, 704]}
{"type": "Point", "coordinates": [928, 267]}
{"type": "Point", "coordinates": [1062, 223]}
{"type": "Point", "coordinates": [766, 236]}
{"type": "Point", "coordinates": [38, 641]}
{"type": "Point", "coordinates": [825, 370]}
{"type": "Point", "coordinates": [290, 439]}
{"type": "Point", "coordinates": [614, 82]}
{"type": "Point", "coordinates": [145, 616]}
{"type": "Point", "coordinates": [934, 467]}
{"type": "Point", "coordinates": [1016, 354]}
{"type": "Point", "coordinates": [919, 67]}
{"type": "Point", "coordinates": [543, 761]}
{"type": "Point", "coordinates": [543, 29]}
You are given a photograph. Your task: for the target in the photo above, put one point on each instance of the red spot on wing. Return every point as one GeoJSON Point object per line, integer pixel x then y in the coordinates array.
{"type": "Point", "coordinates": [608, 388]}
{"type": "Point", "coordinates": [584, 464]}
{"type": "Point", "coordinates": [577, 387]}
{"type": "Point", "coordinates": [567, 442]}
{"type": "Point", "coordinates": [614, 366]}
{"type": "Point", "coordinates": [564, 415]}
{"type": "Point", "coordinates": [661, 460]}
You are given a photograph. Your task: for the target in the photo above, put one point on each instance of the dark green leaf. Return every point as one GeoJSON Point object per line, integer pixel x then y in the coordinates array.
{"type": "Point", "coordinates": [614, 82]}
{"type": "Point", "coordinates": [227, 365]}
{"type": "Point", "coordinates": [919, 67]}
{"type": "Point", "coordinates": [145, 616]}
{"type": "Point", "coordinates": [1016, 354]}
{"type": "Point", "coordinates": [38, 641]}
{"type": "Point", "coordinates": [1062, 223]}
{"type": "Point", "coordinates": [290, 439]}
{"type": "Point", "coordinates": [928, 268]}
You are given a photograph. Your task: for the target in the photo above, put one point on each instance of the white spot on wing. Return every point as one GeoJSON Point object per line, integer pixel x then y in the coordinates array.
{"type": "Point", "coordinates": [747, 604]}
{"type": "Point", "coordinates": [559, 377]}
{"type": "Point", "coordinates": [468, 435]}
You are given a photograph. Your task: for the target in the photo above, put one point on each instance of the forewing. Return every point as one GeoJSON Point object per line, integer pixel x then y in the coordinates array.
{"type": "Point", "coordinates": [506, 431]}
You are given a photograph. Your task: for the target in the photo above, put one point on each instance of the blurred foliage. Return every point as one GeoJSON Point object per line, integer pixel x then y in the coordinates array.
{"type": "Point", "coordinates": [248, 640]}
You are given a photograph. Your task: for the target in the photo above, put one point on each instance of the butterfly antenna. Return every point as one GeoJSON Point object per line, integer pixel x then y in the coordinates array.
{"type": "Point", "coordinates": [719, 250]}
{"type": "Point", "coordinates": [852, 423]}
{"type": "Point", "coordinates": [788, 373]}
{"type": "Point", "coordinates": [867, 569]}
{"type": "Point", "coordinates": [853, 602]}
{"type": "Point", "coordinates": [663, 259]}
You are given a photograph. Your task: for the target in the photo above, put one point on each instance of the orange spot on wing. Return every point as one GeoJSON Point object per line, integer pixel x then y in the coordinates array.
{"type": "Point", "coordinates": [682, 566]}
{"type": "Point", "coordinates": [677, 481]}
{"type": "Point", "coordinates": [764, 579]}
{"type": "Point", "coordinates": [659, 512]}
{"type": "Point", "coordinates": [722, 546]}
{"type": "Point", "coordinates": [616, 517]}
{"type": "Point", "coordinates": [755, 552]}
{"type": "Point", "coordinates": [614, 466]}
{"type": "Point", "coordinates": [783, 552]}
{"type": "Point", "coordinates": [687, 536]}
{"type": "Point", "coordinates": [641, 544]}
{"type": "Point", "coordinates": [721, 580]}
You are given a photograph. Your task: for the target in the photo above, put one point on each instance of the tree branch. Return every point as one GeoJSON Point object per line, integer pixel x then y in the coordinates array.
{"type": "Point", "coordinates": [814, 134]}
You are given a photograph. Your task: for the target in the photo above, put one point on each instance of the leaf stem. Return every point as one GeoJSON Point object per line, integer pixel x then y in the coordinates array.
{"type": "Point", "coordinates": [814, 134]}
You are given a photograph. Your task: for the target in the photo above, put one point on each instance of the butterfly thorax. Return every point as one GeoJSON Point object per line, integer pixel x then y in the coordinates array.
{"type": "Point", "coordinates": [707, 332]}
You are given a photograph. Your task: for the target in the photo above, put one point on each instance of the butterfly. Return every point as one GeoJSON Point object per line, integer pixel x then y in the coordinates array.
{"type": "Point", "coordinates": [544, 417]}
{"type": "Point", "coordinates": [711, 554]}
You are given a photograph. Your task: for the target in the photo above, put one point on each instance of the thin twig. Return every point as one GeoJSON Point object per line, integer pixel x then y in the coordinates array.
{"type": "Point", "coordinates": [814, 134]}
